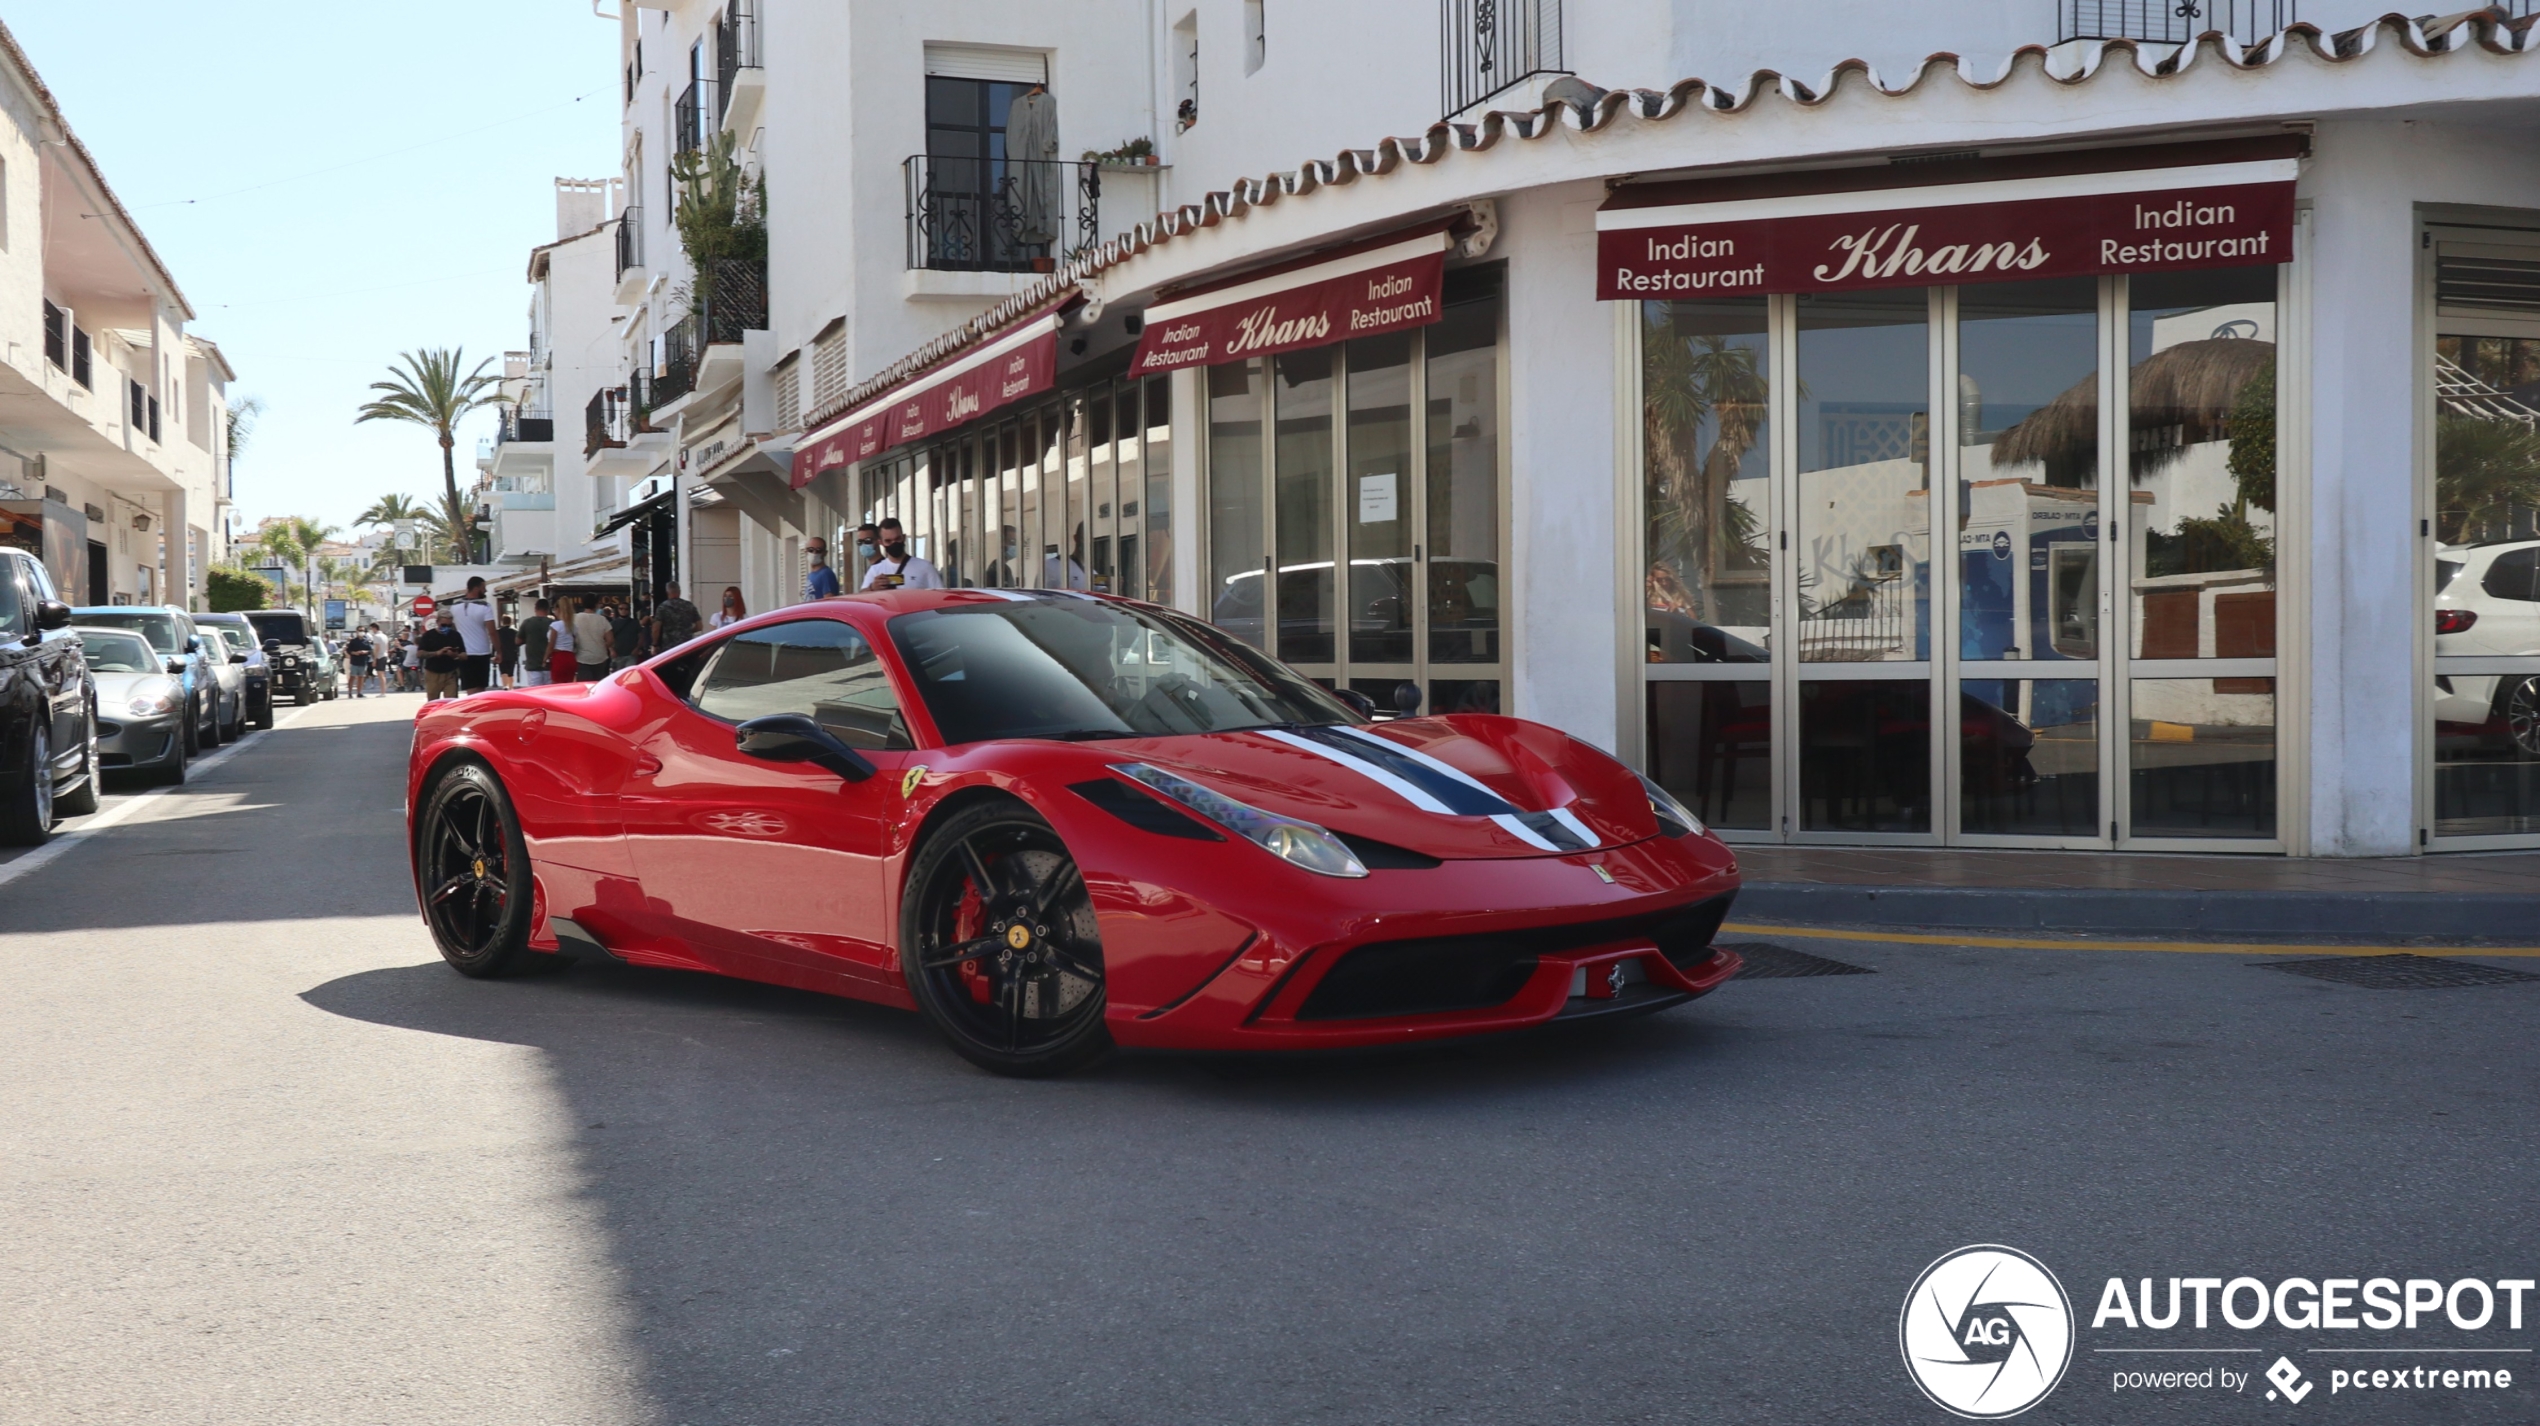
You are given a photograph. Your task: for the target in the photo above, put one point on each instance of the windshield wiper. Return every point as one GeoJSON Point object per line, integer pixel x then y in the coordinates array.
{"type": "Point", "coordinates": [1089, 735]}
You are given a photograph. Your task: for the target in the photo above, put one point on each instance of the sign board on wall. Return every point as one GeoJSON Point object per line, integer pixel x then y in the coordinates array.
{"type": "Point", "coordinates": [2078, 225]}
{"type": "Point", "coordinates": [1022, 363]}
{"type": "Point", "coordinates": [1385, 289]}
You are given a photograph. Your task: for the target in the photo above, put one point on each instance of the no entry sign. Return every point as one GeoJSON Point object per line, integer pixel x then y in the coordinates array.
{"type": "Point", "coordinates": [424, 606]}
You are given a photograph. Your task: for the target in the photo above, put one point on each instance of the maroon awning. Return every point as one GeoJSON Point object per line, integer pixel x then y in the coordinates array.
{"type": "Point", "coordinates": [1022, 362]}
{"type": "Point", "coordinates": [1385, 287]}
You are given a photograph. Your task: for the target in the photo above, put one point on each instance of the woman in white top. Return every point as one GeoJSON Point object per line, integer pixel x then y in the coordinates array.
{"type": "Point", "coordinates": [732, 612]}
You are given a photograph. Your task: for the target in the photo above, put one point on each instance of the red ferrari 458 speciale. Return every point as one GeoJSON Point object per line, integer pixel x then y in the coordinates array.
{"type": "Point", "coordinates": [1053, 823]}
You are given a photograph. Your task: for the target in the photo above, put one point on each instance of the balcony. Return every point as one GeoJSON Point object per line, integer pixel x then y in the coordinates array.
{"type": "Point", "coordinates": [675, 375]}
{"type": "Point", "coordinates": [1491, 45]}
{"type": "Point", "coordinates": [630, 255]}
{"type": "Point", "coordinates": [1000, 215]}
{"type": "Point", "coordinates": [695, 116]}
{"type": "Point", "coordinates": [2173, 22]}
{"type": "Point", "coordinates": [733, 298]}
{"type": "Point", "coordinates": [740, 83]}
{"type": "Point", "coordinates": [618, 436]}
{"type": "Point", "coordinates": [526, 424]}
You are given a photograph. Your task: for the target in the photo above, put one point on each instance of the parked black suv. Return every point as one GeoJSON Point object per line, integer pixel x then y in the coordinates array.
{"type": "Point", "coordinates": [48, 713]}
{"type": "Point", "coordinates": [262, 667]}
{"type": "Point", "coordinates": [299, 670]}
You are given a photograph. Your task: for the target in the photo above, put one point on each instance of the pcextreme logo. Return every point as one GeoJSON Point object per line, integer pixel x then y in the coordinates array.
{"type": "Point", "coordinates": [1986, 1332]}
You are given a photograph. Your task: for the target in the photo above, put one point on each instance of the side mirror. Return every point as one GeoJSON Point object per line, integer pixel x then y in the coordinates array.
{"type": "Point", "coordinates": [194, 646]}
{"type": "Point", "coordinates": [237, 658]}
{"type": "Point", "coordinates": [176, 665]}
{"type": "Point", "coordinates": [1359, 703]}
{"type": "Point", "coordinates": [52, 614]}
{"type": "Point", "coordinates": [793, 738]}
{"type": "Point", "coordinates": [272, 645]}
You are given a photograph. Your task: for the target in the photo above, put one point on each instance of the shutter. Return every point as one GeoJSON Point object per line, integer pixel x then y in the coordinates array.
{"type": "Point", "coordinates": [789, 393]}
{"type": "Point", "coordinates": [2477, 277]}
{"type": "Point", "coordinates": [988, 62]}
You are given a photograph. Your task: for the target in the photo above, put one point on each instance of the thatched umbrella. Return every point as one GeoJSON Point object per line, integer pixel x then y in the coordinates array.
{"type": "Point", "coordinates": [2182, 396]}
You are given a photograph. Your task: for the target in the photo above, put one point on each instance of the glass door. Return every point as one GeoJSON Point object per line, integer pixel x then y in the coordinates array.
{"type": "Point", "coordinates": [1354, 508]}
{"type": "Point", "coordinates": [1989, 565]}
{"type": "Point", "coordinates": [2484, 529]}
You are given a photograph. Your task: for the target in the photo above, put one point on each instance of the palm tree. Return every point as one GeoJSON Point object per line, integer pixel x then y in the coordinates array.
{"type": "Point", "coordinates": [292, 541]}
{"type": "Point", "coordinates": [427, 390]}
{"type": "Point", "coordinates": [389, 509]}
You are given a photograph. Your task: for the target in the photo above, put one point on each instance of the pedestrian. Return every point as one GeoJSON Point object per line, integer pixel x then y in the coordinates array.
{"type": "Point", "coordinates": [732, 612]}
{"type": "Point", "coordinates": [591, 651]}
{"type": "Point", "coordinates": [357, 652]}
{"type": "Point", "coordinates": [561, 662]}
{"type": "Point", "coordinates": [534, 632]}
{"type": "Point", "coordinates": [626, 637]}
{"type": "Point", "coordinates": [410, 664]}
{"type": "Point", "coordinates": [473, 615]}
{"type": "Point", "coordinates": [506, 653]}
{"type": "Point", "coordinates": [820, 581]}
{"type": "Point", "coordinates": [675, 620]}
{"type": "Point", "coordinates": [868, 547]}
{"type": "Point", "coordinates": [897, 568]}
{"type": "Point", "coordinates": [444, 651]}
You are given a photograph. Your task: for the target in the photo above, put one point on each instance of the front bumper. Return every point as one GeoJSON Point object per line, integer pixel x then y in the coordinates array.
{"type": "Point", "coordinates": [1463, 949]}
{"type": "Point", "coordinates": [138, 742]}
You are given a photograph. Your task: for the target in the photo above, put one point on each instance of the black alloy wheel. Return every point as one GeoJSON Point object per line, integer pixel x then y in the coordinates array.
{"type": "Point", "coordinates": [1000, 945]}
{"type": "Point", "coordinates": [2519, 706]}
{"type": "Point", "coordinates": [26, 817]}
{"type": "Point", "coordinates": [473, 876]}
{"type": "Point", "coordinates": [80, 801]}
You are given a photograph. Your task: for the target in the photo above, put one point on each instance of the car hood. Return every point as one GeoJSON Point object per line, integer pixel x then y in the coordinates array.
{"type": "Point", "coordinates": [114, 690]}
{"type": "Point", "coordinates": [1462, 787]}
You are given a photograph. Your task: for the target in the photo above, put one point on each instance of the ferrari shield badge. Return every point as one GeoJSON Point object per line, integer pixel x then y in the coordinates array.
{"type": "Point", "coordinates": [910, 779]}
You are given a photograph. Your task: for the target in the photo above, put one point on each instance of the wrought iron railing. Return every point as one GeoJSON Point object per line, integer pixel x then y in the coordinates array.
{"type": "Point", "coordinates": [524, 423]}
{"type": "Point", "coordinates": [695, 114]}
{"type": "Point", "coordinates": [618, 414]}
{"type": "Point", "coordinates": [676, 374]}
{"type": "Point", "coordinates": [731, 297]}
{"type": "Point", "coordinates": [2174, 22]}
{"type": "Point", "coordinates": [630, 240]}
{"type": "Point", "coordinates": [735, 49]}
{"type": "Point", "coordinates": [1489, 45]}
{"type": "Point", "coordinates": [599, 419]}
{"type": "Point", "coordinates": [1000, 215]}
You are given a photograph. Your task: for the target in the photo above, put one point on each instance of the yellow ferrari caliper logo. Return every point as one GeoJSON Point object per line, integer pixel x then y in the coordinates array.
{"type": "Point", "coordinates": [910, 779]}
{"type": "Point", "coordinates": [1018, 937]}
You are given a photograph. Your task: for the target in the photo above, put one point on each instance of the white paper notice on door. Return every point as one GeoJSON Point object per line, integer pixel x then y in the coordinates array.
{"type": "Point", "coordinates": [1375, 499]}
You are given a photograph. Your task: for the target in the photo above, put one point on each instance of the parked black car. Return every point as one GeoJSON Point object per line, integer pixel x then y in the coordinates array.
{"type": "Point", "coordinates": [300, 669]}
{"type": "Point", "coordinates": [48, 711]}
{"type": "Point", "coordinates": [245, 636]}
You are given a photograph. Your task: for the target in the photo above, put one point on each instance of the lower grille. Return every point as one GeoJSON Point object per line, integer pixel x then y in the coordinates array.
{"type": "Point", "coordinates": [1434, 975]}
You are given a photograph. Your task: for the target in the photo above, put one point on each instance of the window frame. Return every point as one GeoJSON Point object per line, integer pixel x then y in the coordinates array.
{"type": "Point", "coordinates": [715, 652]}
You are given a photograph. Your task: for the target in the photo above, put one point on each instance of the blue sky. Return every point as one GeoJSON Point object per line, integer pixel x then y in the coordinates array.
{"type": "Point", "coordinates": [397, 163]}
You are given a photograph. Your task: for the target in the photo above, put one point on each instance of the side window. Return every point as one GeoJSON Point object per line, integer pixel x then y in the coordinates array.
{"type": "Point", "coordinates": [2514, 575]}
{"type": "Point", "coordinates": [39, 580]}
{"type": "Point", "coordinates": [818, 667]}
{"type": "Point", "coordinates": [13, 613]}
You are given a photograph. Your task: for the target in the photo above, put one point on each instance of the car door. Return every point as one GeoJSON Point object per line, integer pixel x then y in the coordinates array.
{"type": "Point", "coordinates": [59, 668]}
{"type": "Point", "coordinates": [774, 870]}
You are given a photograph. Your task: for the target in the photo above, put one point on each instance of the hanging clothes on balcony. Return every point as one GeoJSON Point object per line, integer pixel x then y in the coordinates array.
{"type": "Point", "coordinates": [1031, 135]}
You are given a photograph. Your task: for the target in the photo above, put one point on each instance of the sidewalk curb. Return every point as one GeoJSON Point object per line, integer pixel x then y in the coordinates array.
{"type": "Point", "coordinates": [2353, 913]}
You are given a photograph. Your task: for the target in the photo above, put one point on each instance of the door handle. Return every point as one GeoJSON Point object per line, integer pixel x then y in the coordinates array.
{"type": "Point", "coordinates": [647, 764]}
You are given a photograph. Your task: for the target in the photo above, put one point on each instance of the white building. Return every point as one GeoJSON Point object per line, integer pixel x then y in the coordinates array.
{"type": "Point", "coordinates": [114, 461]}
{"type": "Point", "coordinates": [1996, 423]}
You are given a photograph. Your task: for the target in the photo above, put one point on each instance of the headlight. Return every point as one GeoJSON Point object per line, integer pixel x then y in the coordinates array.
{"type": "Point", "coordinates": [151, 705]}
{"type": "Point", "coordinates": [1300, 843]}
{"type": "Point", "coordinates": [289, 662]}
{"type": "Point", "coordinates": [1674, 818]}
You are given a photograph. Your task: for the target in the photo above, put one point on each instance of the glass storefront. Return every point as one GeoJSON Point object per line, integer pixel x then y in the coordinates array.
{"type": "Point", "coordinates": [1904, 584]}
{"type": "Point", "coordinates": [1069, 491]}
{"type": "Point", "coordinates": [1354, 524]}
{"type": "Point", "coordinates": [2485, 529]}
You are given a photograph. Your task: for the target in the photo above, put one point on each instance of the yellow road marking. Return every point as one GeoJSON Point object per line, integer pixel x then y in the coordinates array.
{"type": "Point", "coordinates": [2203, 948]}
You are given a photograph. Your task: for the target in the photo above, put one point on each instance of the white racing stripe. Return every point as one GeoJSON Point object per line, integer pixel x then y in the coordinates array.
{"type": "Point", "coordinates": [1512, 821]}
{"type": "Point", "coordinates": [1406, 791]}
{"type": "Point", "coordinates": [123, 811]}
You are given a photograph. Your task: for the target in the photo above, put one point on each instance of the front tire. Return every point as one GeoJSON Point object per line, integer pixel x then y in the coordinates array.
{"type": "Point", "coordinates": [82, 800]}
{"type": "Point", "coordinates": [26, 819]}
{"type": "Point", "coordinates": [2518, 708]}
{"type": "Point", "coordinates": [1000, 946]}
{"type": "Point", "coordinates": [473, 876]}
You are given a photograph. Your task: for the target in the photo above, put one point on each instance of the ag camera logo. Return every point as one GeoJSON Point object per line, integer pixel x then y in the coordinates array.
{"type": "Point", "coordinates": [1986, 1332]}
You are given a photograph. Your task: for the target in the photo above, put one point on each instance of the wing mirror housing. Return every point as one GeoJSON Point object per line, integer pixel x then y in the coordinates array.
{"type": "Point", "coordinates": [793, 738]}
{"type": "Point", "coordinates": [52, 614]}
{"type": "Point", "coordinates": [176, 665]}
{"type": "Point", "coordinates": [237, 658]}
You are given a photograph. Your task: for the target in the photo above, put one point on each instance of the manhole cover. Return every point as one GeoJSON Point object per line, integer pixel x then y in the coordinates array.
{"type": "Point", "coordinates": [2399, 972]}
{"type": "Point", "coordinates": [1765, 961]}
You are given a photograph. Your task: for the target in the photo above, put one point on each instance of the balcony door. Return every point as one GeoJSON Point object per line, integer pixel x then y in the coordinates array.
{"type": "Point", "coordinates": [1354, 508]}
{"type": "Point", "coordinates": [1989, 565]}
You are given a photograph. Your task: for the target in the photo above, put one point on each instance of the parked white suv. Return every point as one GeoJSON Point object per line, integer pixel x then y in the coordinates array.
{"type": "Point", "coordinates": [2487, 604]}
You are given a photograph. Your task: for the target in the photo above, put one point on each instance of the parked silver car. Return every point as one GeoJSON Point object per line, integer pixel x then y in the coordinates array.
{"type": "Point", "coordinates": [141, 704]}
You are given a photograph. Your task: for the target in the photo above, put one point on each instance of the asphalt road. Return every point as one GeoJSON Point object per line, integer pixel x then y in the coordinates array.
{"type": "Point", "coordinates": [264, 1159]}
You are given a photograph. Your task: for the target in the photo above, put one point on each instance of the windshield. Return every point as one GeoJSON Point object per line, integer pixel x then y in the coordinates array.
{"type": "Point", "coordinates": [159, 629]}
{"type": "Point", "coordinates": [113, 651]}
{"type": "Point", "coordinates": [215, 643]}
{"type": "Point", "coordinates": [1056, 667]}
{"type": "Point", "coordinates": [241, 638]}
{"type": "Point", "coordinates": [283, 624]}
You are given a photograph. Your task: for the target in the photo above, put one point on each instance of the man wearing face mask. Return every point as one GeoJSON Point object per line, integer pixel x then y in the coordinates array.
{"type": "Point", "coordinates": [897, 568]}
{"type": "Point", "coordinates": [822, 581]}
